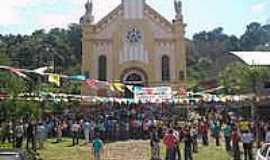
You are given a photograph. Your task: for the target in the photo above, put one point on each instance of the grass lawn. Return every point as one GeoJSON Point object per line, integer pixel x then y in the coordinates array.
{"type": "Point", "coordinates": [130, 150]}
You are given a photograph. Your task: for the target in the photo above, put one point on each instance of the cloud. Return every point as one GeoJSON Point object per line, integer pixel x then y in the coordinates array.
{"type": "Point", "coordinates": [50, 13]}
{"type": "Point", "coordinates": [259, 7]}
{"type": "Point", "coordinates": [9, 11]}
{"type": "Point", "coordinates": [53, 20]}
{"type": "Point", "coordinates": [63, 19]}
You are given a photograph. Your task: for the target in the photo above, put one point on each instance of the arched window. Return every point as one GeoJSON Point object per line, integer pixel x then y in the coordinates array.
{"type": "Point", "coordinates": [165, 64]}
{"type": "Point", "coordinates": [102, 68]}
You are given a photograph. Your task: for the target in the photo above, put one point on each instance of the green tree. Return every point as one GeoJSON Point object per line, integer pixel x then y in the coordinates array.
{"type": "Point", "coordinates": [4, 60]}
{"type": "Point", "coordinates": [15, 85]}
{"type": "Point", "coordinates": [254, 36]}
{"type": "Point", "coordinates": [238, 78]}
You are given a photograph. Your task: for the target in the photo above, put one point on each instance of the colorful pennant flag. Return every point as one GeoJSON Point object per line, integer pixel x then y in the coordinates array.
{"type": "Point", "coordinates": [130, 88]}
{"type": "Point", "coordinates": [42, 70]}
{"type": "Point", "coordinates": [77, 78]}
{"type": "Point", "coordinates": [18, 73]}
{"type": "Point", "coordinates": [182, 92]}
{"type": "Point", "coordinates": [118, 87]}
{"type": "Point", "coordinates": [55, 78]}
{"type": "Point", "coordinates": [112, 88]}
{"type": "Point", "coordinates": [91, 83]}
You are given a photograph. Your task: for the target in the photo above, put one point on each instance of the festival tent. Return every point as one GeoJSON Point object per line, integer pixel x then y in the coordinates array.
{"type": "Point", "coordinates": [254, 58]}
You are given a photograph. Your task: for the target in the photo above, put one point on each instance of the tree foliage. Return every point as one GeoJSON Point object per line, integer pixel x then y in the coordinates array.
{"type": "Point", "coordinates": [215, 46]}
{"type": "Point", "coordinates": [4, 60]}
{"type": "Point", "coordinates": [63, 46]}
{"type": "Point", "coordinates": [238, 77]}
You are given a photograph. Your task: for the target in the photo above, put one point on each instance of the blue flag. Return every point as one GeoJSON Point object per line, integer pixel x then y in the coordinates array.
{"type": "Point", "coordinates": [77, 78]}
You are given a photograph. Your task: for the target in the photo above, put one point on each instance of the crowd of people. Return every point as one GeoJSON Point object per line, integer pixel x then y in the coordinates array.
{"type": "Point", "coordinates": [157, 122]}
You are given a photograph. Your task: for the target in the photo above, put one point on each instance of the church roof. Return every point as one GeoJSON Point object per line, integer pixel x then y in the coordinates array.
{"type": "Point", "coordinates": [254, 58]}
{"type": "Point", "coordinates": [115, 11]}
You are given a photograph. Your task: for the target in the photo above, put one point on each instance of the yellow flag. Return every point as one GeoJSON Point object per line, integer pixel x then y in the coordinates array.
{"type": "Point", "coordinates": [54, 78]}
{"type": "Point", "coordinates": [112, 88]}
{"type": "Point", "coordinates": [119, 87]}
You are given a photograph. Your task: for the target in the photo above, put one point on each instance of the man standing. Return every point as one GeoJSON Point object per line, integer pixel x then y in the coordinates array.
{"type": "Point", "coordinates": [188, 145]}
{"type": "Point", "coordinates": [204, 132]}
{"type": "Point", "coordinates": [235, 144]}
{"type": "Point", "coordinates": [97, 147]}
{"type": "Point", "coordinates": [247, 139]}
{"type": "Point", "coordinates": [216, 132]}
{"type": "Point", "coordinates": [155, 148]}
{"type": "Point", "coordinates": [41, 134]}
{"type": "Point", "coordinates": [75, 133]}
{"type": "Point", "coordinates": [194, 135]}
{"type": "Point", "coordinates": [30, 135]}
{"type": "Point", "coordinates": [170, 141]}
{"type": "Point", "coordinates": [19, 134]}
{"type": "Point", "coordinates": [227, 130]}
{"type": "Point", "coordinates": [86, 130]}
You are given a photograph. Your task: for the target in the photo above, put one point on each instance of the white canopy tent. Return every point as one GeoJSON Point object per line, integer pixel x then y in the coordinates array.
{"type": "Point", "coordinates": [254, 58]}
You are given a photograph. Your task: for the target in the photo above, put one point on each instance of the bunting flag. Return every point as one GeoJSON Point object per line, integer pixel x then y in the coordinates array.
{"type": "Point", "coordinates": [91, 83]}
{"type": "Point", "coordinates": [130, 88]}
{"type": "Point", "coordinates": [118, 87]}
{"type": "Point", "coordinates": [112, 88]}
{"type": "Point", "coordinates": [18, 73]}
{"type": "Point", "coordinates": [182, 92]}
{"type": "Point", "coordinates": [55, 78]}
{"type": "Point", "coordinates": [77, 78]}
{"type": "Point", "coordinates": [15, 71]}
{"type": "Point", "coordinates": [42, 70]}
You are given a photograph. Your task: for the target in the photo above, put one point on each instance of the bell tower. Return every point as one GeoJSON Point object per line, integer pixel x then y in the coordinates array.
{"type": "Point", "coordinates": [133, 9]}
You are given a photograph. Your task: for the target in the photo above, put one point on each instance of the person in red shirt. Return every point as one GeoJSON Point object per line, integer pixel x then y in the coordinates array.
{"type": "Point", "coordinates": [235, 144]}
{"type": "Point", "coordinates": [204, 132]}
{"type": "Point", "coordinates": [170, 142]}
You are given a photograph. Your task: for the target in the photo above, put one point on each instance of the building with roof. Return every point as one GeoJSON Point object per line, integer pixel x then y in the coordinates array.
{"type": "Point", "coordinates": [134, 44]}
{"type": "Point", "coordinates": [254, 58]}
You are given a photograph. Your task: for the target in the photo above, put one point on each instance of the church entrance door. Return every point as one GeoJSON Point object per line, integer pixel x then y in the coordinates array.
{"type": "Point", "coordinates": [135, 77]}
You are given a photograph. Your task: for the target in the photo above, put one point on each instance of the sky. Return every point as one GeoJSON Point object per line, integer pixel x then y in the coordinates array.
{"type": "Point", "coordinates": [26, 16]}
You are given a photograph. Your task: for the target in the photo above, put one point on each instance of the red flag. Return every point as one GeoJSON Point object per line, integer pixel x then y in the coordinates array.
{"type": "Point", "coordinates": [17, 72]}
{"type": "Point", "coordinates": [183, 92]}
{"type": "Point", "coordinates": [91, 83]}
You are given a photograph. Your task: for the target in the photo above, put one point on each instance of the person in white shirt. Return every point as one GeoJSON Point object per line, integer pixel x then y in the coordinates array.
{"type": "Point", "coordinates": [86, 130]}
{"type": "Point", "coordinates": [75, 130]}
{"type": "Point", "coordinates": [247, 139]}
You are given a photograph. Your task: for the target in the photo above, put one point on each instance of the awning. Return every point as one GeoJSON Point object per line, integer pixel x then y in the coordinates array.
{"type": "Point", "coordinates": [254, 58]}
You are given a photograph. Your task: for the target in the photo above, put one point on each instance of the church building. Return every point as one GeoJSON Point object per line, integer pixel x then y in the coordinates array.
{"type": "Point", "coordinates": [134, 44]}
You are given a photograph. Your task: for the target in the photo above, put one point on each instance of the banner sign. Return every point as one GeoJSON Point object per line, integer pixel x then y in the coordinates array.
{"type": "Point", "coordinates": [157, 94]}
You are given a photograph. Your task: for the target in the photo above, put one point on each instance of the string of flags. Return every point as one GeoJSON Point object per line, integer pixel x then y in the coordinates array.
{"type": "Point", "coordinates": [115, 86]}
{"type": "Point", "coordinates": [141, 94]}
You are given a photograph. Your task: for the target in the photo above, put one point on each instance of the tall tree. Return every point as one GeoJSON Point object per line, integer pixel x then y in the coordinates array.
{"type": "Point", "coordinates": [255, 35]}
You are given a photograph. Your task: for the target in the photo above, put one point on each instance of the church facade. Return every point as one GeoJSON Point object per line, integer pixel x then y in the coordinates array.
{"type": "Point", "coordinates": [134, 44]}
